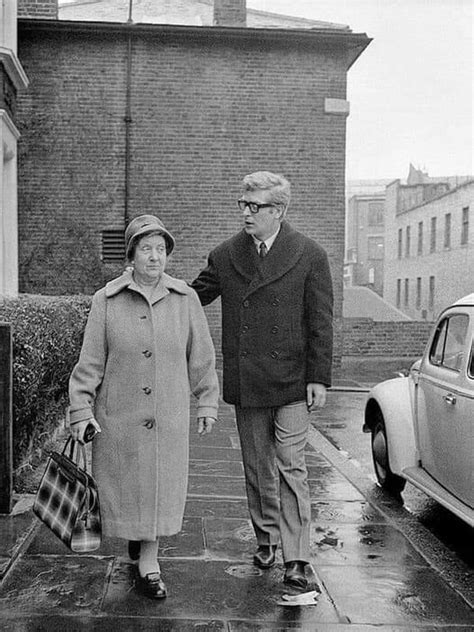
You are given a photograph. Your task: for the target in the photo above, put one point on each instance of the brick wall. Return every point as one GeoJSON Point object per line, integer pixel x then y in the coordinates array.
{"type": "Point", "coordinates": [365, 337]}
{"type": "Point", "coordinates": [47, 9]}
{"type": "Point", "coordinates": [204, 112]}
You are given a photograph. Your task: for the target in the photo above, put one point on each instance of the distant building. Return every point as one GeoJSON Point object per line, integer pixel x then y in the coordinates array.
{"type": "Point", "coordinates": [429, 243]}
{"type": "Point", "coordinates": [365, 241]}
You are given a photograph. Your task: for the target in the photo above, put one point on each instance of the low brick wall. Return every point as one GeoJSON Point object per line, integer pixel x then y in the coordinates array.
{"type": "Point", "coordinates": [364, 336]}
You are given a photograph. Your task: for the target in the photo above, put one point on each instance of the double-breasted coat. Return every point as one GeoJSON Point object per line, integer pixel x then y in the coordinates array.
{"type": "Point", "coordinates": [276, 317]}
{"type": "Point", "coordinates": [139, 361]}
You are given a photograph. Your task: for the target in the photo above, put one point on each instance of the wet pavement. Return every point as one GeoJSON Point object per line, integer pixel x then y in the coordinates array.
{"type": "Point", "coordinates": [373, 565]}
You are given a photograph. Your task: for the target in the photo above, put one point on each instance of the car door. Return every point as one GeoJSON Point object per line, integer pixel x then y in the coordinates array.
{"type": "Point", "coordinates": [445, 407]}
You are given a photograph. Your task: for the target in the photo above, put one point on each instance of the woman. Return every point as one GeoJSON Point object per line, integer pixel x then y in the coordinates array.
{"type": "Point", "coordinates": [146, 345]}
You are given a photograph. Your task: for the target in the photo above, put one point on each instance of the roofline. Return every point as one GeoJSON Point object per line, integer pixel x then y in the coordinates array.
{"type": "Point", "coordinates": [438, 197]}
{"type": "Point", "coordinates": [296, 18]}
{"type": "Point", "coordinates": [376, 195]}
{"type": "Point", "coordinates": [210, 3]}
{"type": "Point", "coordinates": [357, 42]}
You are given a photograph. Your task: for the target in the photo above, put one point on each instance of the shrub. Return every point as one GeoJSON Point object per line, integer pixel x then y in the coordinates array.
{"type": "Point", "coordinates": [47, 336]}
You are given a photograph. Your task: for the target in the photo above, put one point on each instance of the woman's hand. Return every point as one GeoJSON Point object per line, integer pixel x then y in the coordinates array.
{"type": "Point", "coordinates": [205, 425]}
{"type": "Point", "coordinates": [78, 429]}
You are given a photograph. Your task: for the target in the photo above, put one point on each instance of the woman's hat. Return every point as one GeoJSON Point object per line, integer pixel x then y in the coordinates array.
{"type": "Point", "coordinates": [146, 224]}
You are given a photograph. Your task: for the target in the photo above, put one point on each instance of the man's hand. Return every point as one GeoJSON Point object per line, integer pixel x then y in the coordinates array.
{"type": "Point", "coordinates": [315, 396]}
{"type": "Point", "coordinates": [205, 425]}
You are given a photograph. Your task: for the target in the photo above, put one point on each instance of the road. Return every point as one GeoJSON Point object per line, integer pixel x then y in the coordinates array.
{"type": "Point", "coordinates": [341, 423]}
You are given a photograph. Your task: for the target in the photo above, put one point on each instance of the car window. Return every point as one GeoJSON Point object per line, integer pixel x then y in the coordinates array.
{"type": "Point", "coordinates": [471, 362]}
{"type": "Point", "coordinates": [437, 348]}
{"type": "Point", "coordinates": [448, 345]}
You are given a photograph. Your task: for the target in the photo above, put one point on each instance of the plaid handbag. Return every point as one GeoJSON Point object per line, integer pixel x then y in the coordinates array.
{"type": "Point", "coordinates": [67, 500]}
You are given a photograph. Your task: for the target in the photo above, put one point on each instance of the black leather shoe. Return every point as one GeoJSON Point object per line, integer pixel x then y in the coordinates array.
{"type": "Point", "coordinates": [294, 575]}
{"type": "Point", "coordinates": [265, 556]}
{"type": "Point", "coordinates": [134, 549]}
{"type": "Point", "coordinates": [152, 586]}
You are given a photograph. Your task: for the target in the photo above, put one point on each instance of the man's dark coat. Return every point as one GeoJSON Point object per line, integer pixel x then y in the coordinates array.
{"type": "Point", "coordinates": [276, 317]}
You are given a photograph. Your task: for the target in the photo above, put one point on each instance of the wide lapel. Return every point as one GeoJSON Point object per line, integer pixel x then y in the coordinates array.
{"type": "Point", "coordinates": [243, 255]}
{"type": "Point", "coordinates": [283, 255]}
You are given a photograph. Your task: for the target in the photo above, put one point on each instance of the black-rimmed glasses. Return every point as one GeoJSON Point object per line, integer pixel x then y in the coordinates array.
{"type": "Point", "coordinates": [253, 207]}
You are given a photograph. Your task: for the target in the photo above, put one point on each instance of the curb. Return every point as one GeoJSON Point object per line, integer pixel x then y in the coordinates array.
{"type": "Point", "coordinates": [22, 541]}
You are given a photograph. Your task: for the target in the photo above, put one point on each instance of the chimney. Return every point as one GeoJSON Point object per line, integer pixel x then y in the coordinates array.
{"type": "Point", "coordinates": [38, 9]}
{"type": "Point", "coordinates": [230, 13]}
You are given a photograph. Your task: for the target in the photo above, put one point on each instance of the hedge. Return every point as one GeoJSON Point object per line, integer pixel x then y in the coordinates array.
{"type": "Point", "coordinates": [47, 336]}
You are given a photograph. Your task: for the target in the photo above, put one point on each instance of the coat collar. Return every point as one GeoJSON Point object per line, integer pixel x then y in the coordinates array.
{"type": "Point", "coordinates": [125, 281]}
{"type": "Point", "coordinates": [283, 255]}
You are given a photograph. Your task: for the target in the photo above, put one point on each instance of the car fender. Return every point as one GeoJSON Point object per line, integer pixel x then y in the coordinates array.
{"type": "Point", "coordinates": [394, 398]}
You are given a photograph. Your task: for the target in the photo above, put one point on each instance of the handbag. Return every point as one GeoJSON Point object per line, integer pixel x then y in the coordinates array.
{"type": "Point", "coordinates": [67, 500]}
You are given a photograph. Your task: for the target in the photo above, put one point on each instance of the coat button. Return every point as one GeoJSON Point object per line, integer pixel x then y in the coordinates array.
{"type": "Point", "coordinates": [149, 423]}
{"type": "Point", "coordinates": [245, 329]}
{"type": "Point", "coordinates": [275, 329]}
{"type": "Point", "coordinates": [274, 354]}
{"type": "Point", "coordinates": [246, 303]}
{"type": "Point", "coordinates": [243, 354]}
{"type": "Point", "coordinates": [147, 353]}
{"type": "Point", "coordinates": [146, 390]}
{"type": "Point", "coordinates": [276, 301]}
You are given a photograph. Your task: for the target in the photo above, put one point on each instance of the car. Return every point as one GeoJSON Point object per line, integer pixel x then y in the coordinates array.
{"type": "Point", "coordinates": [422, 424]}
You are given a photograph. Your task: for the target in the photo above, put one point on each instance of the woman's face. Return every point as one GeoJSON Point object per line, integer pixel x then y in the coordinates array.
{"type": "Point", "coordinates": [149, 260]}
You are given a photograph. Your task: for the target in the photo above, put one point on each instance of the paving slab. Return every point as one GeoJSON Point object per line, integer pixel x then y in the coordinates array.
{"type": "Point", "coordinates": [200, 590]}
{"type": "Point", "coordinates": [398, 595]}
{"type": "Point", "coordinates": [188, 542]}
{"type": "Point", "coordinates": [333, 486]}
{"type": "Point", "coordinates": [72, 623]}
{"type": "Point", "coordinates": [367, 544]}
{"type": "Point", "coordinates": [230, 486]}
{"type": "Point", "coordinates": [340, 511]}
{"type": "Point", "coordinates": [41, 584]}
{"type": "Point", "coordinates": [216, 507]}
{"type": "Point", "coordinates": [208, 452]}
{"type": "Point", "coordinates": [316, 626]}
{"type": "Point", "coordinates": [223, 436]}
{"type": "Point", "coordinates": [212, 467]}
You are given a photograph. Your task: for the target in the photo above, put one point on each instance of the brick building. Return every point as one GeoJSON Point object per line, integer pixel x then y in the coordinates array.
{"type": "Point", "coordinates": [429, 245]}
{"type": "Point", "coordinates": [124, 118]}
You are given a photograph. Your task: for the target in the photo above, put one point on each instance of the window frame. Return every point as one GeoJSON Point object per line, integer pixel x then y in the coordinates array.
{"type": "Point", "coordinates": [447, 352]}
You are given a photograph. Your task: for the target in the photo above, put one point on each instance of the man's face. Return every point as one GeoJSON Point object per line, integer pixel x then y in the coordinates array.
{"type": "Point", "coordinates": [267, 221]}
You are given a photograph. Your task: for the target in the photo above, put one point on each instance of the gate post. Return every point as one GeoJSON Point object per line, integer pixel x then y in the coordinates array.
{"type": "Point", "coordinates": [6, 419]}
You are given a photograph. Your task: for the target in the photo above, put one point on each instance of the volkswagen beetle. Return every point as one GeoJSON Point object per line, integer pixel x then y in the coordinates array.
{"type": "Point", "coordinates": [422, 425]}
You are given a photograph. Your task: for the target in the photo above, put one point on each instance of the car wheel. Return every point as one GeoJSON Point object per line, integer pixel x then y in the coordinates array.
{"type": "Point", "coordinates": [386, 478]}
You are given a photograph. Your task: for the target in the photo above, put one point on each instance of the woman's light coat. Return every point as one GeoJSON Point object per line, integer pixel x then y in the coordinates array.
{"type": "Point", "coordinates": [139, 361]}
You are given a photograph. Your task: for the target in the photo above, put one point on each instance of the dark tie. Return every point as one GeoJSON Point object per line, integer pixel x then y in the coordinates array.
{"type": "Point", "coordinates": [262, 250]}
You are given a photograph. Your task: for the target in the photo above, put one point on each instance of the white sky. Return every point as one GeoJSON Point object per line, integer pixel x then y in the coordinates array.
{"type": "Point", "coordinates": [411, 90]}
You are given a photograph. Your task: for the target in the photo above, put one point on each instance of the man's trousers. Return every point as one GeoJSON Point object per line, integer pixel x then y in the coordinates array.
{"type": "Point", "coordinates": [273, 442]}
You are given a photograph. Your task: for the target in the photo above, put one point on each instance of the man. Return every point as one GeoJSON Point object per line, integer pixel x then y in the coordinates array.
{"type": "Point", "coordinates": [276, 292]}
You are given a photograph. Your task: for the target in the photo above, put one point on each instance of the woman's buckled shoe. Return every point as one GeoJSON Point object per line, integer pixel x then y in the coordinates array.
{"type": "Point", "coordinates": [152, 586]}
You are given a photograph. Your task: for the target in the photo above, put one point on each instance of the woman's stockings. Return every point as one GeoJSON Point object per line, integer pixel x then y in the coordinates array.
{"type": "Point", "coordinates": [148, 562]}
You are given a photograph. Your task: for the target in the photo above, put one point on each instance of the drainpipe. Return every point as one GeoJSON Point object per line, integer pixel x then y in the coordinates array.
{"type": "Point", "coordinates": [128, 117]}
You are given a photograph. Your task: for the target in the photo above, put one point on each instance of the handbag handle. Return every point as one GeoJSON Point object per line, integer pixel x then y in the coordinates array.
{"type": "Point", "coordinates": [81, 450]}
